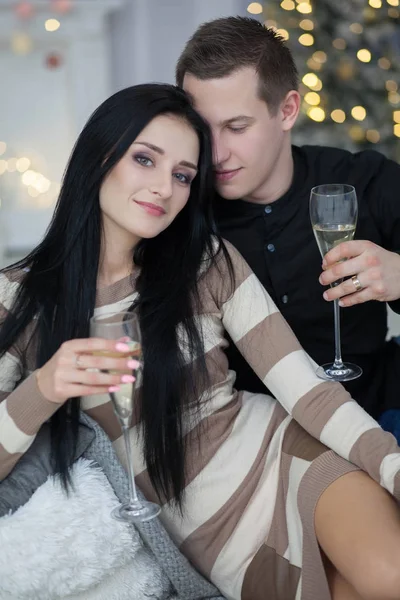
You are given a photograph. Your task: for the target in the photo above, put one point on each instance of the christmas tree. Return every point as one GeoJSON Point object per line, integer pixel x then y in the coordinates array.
{"type": "Point", "coordinates": [348, 56]}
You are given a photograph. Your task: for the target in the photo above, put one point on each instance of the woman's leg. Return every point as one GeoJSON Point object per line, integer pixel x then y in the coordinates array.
{"type": "Point", "coordinates": [358, 527]}
{"type": "Point", "coordinates": [339, 587]}
{"type": "Point", "coordinates": [341, 590]}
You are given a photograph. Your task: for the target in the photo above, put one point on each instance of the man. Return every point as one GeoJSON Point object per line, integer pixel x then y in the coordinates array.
{"type": "Point", "coordinates": [243, 81]}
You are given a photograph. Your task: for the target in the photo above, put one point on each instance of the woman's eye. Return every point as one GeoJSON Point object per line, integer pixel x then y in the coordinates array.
{"type": "Point", "coordinates": [183, 178]}
{"type": "Point", "coordinates": [145, 161]}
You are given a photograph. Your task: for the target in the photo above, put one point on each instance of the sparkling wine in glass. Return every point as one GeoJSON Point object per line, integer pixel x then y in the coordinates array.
{"type": "Point", "coordinates": [124, 326]}
{"type": "Point", "coordinates": [333, 213]}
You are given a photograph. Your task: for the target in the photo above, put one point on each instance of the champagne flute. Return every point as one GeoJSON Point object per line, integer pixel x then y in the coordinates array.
{"type": "Point", "coordinates": [333, 213]}
{"type": "Point", "coordinates": [125, 326]}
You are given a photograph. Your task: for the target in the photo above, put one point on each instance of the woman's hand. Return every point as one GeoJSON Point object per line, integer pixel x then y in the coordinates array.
{"type": "Point", "coordinates": [73, 370]}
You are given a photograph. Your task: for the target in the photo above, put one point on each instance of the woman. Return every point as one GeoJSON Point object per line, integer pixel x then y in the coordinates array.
{"type": "Point", "coordinates": [247, 494]}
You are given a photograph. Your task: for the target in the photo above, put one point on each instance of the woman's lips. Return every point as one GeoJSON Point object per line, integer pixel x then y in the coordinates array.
{"type": "Point", "coordinates": [151, 209]}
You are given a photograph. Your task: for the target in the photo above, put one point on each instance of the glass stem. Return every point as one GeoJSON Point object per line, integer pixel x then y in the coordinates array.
{"type": "Point", "coordinates": [338, 350]}
{"type": "Point", "coordinates": [133, 497]}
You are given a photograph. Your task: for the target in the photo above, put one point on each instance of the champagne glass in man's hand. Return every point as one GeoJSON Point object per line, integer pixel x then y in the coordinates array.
{"type": "Point", "coordinates": [333, 213]}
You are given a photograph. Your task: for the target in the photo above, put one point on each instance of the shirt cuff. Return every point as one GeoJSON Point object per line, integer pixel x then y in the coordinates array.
{"type": "Point", "coordinates": [28, 408]}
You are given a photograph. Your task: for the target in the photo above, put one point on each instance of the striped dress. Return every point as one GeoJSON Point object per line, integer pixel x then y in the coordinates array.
{"type": "Point", "coordinates": [255, 475]}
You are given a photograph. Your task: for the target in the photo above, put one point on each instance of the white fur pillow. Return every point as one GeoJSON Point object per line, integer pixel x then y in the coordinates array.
{"type": "Point", "coordinates": [59, 546]}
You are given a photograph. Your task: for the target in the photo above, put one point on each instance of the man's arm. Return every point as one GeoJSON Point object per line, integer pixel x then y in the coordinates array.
{"type": "Point", "coordinates": [375, 270]}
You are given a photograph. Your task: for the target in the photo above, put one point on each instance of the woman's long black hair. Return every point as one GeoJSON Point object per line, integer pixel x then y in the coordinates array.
{"type": "Point", "coordinates": [60, 286]}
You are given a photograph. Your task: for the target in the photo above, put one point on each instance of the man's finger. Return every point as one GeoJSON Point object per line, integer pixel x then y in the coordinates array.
{"type": "Point", "coordinates": [335, 292]}
{"type": "Point", "coordinates": [345, 250]}
{"type": "Point", "coordinates": [344, 289]}
{"type": "Point", "coordinates": [342, 269]}
{"type": "Point", "coordinates": [357, 298]}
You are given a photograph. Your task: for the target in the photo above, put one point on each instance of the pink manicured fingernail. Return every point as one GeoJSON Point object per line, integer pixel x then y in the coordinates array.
{"type": "Point", "coordinates": [325, 295]}
{"type": "Point", "coordinates": [134, 364]}
{"type": "Point", "coordinates": [124, 339]}
{"type": "Point", "coordinates": [122, 347]}
{"type": "Point", "coordinates": [128, 378]}
{"type": "Point", "coordinates": [113, 388]}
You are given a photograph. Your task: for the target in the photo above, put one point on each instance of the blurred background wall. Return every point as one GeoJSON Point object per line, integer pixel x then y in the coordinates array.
{"type": "Point", "coordinates": [60, 58]}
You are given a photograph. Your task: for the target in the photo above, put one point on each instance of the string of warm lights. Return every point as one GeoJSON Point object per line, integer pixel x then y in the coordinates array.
{"type": "Point", "coordinates": [36, 183]}
{"type": "Point", "coordinates": [39, 190]}
{"type": "Point", "coordinates": [299, 21]}
{"type": "Point", "coordinates": [21, 42]}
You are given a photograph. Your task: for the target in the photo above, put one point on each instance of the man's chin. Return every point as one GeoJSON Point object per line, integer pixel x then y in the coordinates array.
{"type": "Point", "coordinates": [228, 193]}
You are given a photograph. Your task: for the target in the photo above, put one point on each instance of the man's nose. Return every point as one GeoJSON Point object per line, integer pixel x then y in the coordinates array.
{"type": "Point", "coordinates": [221, 152]}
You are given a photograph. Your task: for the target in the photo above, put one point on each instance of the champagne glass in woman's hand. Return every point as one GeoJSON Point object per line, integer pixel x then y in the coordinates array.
{"type": "Point", "coordinates": [125, 327]}
{"type": "Point", "coordinates": [333, 212]}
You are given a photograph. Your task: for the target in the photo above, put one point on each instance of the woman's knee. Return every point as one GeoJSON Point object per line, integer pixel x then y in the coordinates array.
{"type": "Point", "coordinates": [381, 581]}
{"type": "Point", "coordinates": [358, 528]}
{"type": "Point", "coordinates": [369, 587]}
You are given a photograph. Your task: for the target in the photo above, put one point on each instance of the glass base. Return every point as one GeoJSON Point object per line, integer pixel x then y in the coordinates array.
{"type": "Point", "coordinates": [347, 372]}
{"type": "Point", "coordinates": [144, 511]}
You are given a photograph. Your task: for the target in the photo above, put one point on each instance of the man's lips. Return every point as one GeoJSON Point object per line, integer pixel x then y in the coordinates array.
{"type": "Point", "coordinates": [152, 209]}
{"type": "Point", "coordinates": [226, 174]}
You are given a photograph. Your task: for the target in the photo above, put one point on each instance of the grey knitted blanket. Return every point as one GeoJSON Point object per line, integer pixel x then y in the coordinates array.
{"type": "Point", "coordinates": [34, 468]}
{"type": "Point", "coordinates": [187, 582]}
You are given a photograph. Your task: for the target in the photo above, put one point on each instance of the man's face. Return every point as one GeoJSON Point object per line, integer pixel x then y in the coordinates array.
{"type": "Point", "coordinates": [247, 140]}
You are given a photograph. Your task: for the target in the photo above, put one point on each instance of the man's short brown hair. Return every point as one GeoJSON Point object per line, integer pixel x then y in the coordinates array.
{"type": "Point", "coordinates": [220, 47]}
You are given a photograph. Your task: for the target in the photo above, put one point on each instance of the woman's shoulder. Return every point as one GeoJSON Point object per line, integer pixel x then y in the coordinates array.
{"type": "Point", "coordinates": [224, 269]}
{"type": "Point", "coordinates": [222, 252]}
{"type": "Point", "coordinates": [229, 260]}
{"type": "Point", "coordinates": [11, 279]}
{"type": "Point", "coordinates": [234, 254]}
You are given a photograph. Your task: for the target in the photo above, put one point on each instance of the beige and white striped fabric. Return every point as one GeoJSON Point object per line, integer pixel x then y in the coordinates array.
{"type": "Point", "coordinates": [254, 480]}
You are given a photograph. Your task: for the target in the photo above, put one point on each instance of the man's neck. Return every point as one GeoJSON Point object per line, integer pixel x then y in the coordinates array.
{"type": "Point", "coordinates": [279, 182]}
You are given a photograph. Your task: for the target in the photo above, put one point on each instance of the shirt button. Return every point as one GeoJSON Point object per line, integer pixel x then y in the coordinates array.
{"type": "Point", "coordinates": [271, 248]}
{"type": "Point", "coordinates": [268, 210]}
{"type": "Point", "coordinates": [285, 299]}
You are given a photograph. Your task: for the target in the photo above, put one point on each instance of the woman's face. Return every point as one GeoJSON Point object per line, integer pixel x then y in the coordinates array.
{"type": "Point", "coordinates": [149, 186]}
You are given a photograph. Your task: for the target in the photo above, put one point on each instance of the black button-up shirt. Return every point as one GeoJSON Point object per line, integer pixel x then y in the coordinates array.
{"type": "Point", "coordinates": [278, 243]}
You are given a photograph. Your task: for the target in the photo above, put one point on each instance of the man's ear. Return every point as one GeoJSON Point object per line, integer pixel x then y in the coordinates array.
{"type": "Point", "coordinates": [289, 109]}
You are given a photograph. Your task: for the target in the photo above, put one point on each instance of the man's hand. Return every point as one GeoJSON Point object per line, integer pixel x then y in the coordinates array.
{"type": "Point", "coordinates": [377, 270]}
